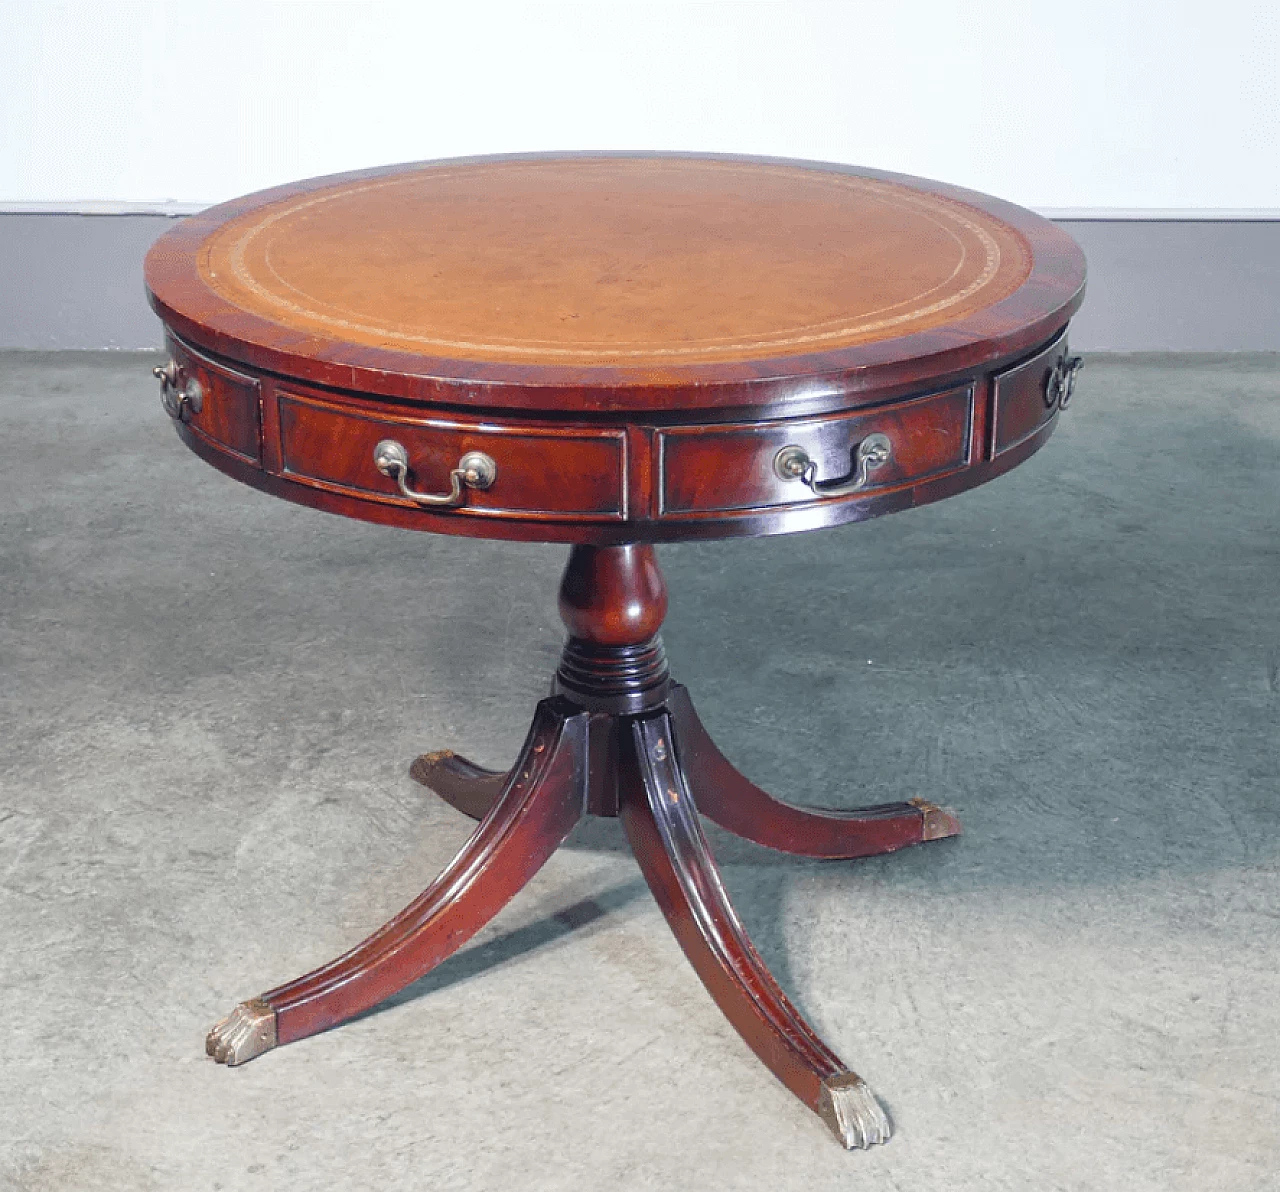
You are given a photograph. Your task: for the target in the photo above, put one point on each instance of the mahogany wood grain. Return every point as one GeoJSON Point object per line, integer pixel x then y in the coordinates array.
{"type": "Point", "coordinates": [802, 514]}
{"type": "Point", "coordinates": [542, 800]}
{"type": "Point", "coordinates": [723, 794]}
{"type": "Point", "coordinates": [702, 464]}
{"type": "Point", "coordinates": [619, 739]}
{"type": "Point", "coordinates": [612, 601]}
{"type": "Point", "coordinates": [662, 826]}
{"type": "Point", "coordinates": [230, 414]}
{"type": "Point", "coordinates": [326, 447]}
{"type": "Point", "coordinates": [734, 802]}
{"type": "Point", "coordinates": [613, 597]}
{"type": "Point", "coordinates": [575, 481]}
{"type": "Point", "coordinates": [472, 789]}
{"type": "Point", "coordinates": [1020, 404]}
{"type": "Point", "coordinates": [631, 338]}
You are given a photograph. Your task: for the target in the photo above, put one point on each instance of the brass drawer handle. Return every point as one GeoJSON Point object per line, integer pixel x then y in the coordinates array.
{"type": "Point", "coordinates": [474, 470]}
{"type": "Point", "coordinates": [1061, 381]}
{"type": "Point", "coordinates": [179, 401]}
{"type": "Point", "coordinates": [794, 463]}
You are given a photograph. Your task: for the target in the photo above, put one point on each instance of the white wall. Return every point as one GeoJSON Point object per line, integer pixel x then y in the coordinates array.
{"type": "Point", "coordinates": [1085, 104]}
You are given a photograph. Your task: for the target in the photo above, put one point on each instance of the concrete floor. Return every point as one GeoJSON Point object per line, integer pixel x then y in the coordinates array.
{"type": "Point", "coordinates": [209, 699]}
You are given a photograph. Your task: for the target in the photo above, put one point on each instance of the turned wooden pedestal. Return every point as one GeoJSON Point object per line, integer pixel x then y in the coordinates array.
{"type": "Point", "coordinates": [613, 351]}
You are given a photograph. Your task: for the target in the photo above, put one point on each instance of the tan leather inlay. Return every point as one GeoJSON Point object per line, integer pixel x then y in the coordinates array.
{"type": "Point", "coordinates": [599, 260]}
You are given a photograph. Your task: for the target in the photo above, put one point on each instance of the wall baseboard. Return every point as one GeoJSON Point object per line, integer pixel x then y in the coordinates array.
{"type": "Point", "coordinates": [1191, 284]}
{"type": "Point", "coordinates": [1179, 285]}
{"type": "Point", "coordinates": [172, 207]}
{"type": "Point", "coordinates": [75, 281]}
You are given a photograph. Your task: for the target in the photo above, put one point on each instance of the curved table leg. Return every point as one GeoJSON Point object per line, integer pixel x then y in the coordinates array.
{"type": "Point", "coordinates": [462, 784]}
{"type": "Point", "coordinates": [737, 804]}
{"type": "Point", "coordinates": [540, 803]}
{"type": "Point", "coordinates": [662, 825]}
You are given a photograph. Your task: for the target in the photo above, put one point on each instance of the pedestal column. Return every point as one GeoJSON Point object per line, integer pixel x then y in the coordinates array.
{"type": "Point", "coordinates": [613, 600]}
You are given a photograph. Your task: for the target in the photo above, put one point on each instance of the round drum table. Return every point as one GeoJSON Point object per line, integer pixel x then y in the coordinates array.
{"type": "Point", "coordinates": [612, 351]}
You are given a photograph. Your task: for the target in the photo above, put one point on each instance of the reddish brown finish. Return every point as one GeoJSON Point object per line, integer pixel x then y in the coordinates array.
{"type": "Point", "coordinates": [930, 437]}
{"type": "Point", "coordinates": [1020, 406]}
{"type": "Point", "coordinates": [636, 762]}
{"type": "Point", "coordinates": [472, 789]}
{"type": "Point", "coordinates": [631, 338]}
{"type": "Point", "coordinates": [541, 801]}
{"type": "Point", "coordinates": [724, 795]}
{"type": "Point", "coordinates": [324, 446]}
{"type": "Point", "coordinates": [803, 515]}
{"type": "Point", "coordinates": [613, 600]}
{"type": "Point", "coordinates": [541, 254]}
{"type": "Point", "coordinates": [662, 825]}
{"type": "Point", "coordinates": [573, 481]}
{"type": "Point", "coordinates": [230, 414]}
{"type": "Point", "coordinates": [734, 802]}
{"type": "Point", "coordinates": [614, 596]}
{"type": "Point", "coordinates": [660, 819]}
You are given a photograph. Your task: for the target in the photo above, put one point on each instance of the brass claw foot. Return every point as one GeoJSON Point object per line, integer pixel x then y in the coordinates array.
{"type": "Point", "coordinates": [850, 1108]}
{"type": "Point", "coordinates": [248, 1031]}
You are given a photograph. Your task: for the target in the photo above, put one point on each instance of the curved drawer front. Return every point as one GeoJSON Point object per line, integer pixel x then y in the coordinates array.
{"type": "Point", "coordinates": [565, 473]}
{"type": "Point", "coordinates": [729, 467]}
{"type": "Point", "coordinates": [230, 413]}
{"type": "Point", "coordinates": [1023, 401]}
{"type": "Point", "coordinates": [612, 478]}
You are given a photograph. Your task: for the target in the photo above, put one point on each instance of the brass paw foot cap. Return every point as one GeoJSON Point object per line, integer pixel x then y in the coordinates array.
{"type": "Point", "coordinates": [851, 1110]}
{"type": "Point", "coordinates": [248, 1031]}
{"type": "Point", "coordinates": [420, 768]}
{"type": "Point", "coordinates": [938, 822]}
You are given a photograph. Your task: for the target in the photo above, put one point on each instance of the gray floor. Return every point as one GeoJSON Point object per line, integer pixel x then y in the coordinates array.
{"type": "Point", "coordinates": [208, 700]}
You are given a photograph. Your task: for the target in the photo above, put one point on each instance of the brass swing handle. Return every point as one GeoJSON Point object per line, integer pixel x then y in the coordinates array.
{"type": "Point", "coordinates": [1061, 381]}
{"type": "Point", "coordinates": [474, 470]}
{"type": "Point", "coordinates": [795, 463]}
{"type": "Point", "coordinates": [179, 400]}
